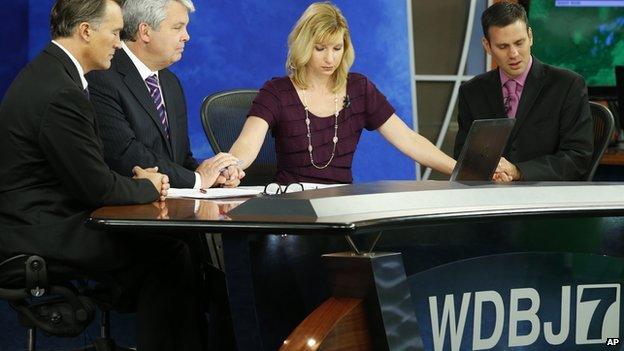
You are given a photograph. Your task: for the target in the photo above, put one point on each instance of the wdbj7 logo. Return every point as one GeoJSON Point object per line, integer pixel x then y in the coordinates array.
{"type": "Point", "coordinates": [597, 318]}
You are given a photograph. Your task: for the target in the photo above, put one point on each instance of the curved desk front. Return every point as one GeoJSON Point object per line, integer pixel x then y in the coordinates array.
{"type": "Point", "coordinates": [470, 266]}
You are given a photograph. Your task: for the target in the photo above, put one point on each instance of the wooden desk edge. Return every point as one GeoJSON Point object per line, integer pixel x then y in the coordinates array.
{"type": "Point", "coordinates": [613, 157]}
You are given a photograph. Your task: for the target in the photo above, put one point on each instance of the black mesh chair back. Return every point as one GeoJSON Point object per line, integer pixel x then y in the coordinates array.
{"type": "Point", "coordinates": [603, 131]}
{"type": "Point", "coordinates": [223, 115]}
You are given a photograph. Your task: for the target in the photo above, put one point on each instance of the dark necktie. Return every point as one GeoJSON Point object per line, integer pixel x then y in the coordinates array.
{"type": "Point", "coordinates": [86, 92]}
{"type": "Point", "coordinates": [155, 93]}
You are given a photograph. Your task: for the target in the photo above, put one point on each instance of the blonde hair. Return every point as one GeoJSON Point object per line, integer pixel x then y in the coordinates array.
{"type": "Point", "coordinates": [319, 23]}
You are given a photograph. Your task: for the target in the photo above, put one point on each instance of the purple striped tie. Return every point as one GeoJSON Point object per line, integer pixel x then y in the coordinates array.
{"type": "Point", "coordinates": [154, 89]}
{"type": "Point", "coordinates": [511, 98]}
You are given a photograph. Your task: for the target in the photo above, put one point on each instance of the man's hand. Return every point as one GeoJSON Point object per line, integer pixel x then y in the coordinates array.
{"type": "Point", "coordinates": [160, 181]}
{"type": "Point", "coordinates": [506, 172]}
{"type": "Point", "coordinates": [501, 177]}
{"type": "Point", "coordinates": [210, 170]}
{"type": "Point", "coordinates": [151, 169]}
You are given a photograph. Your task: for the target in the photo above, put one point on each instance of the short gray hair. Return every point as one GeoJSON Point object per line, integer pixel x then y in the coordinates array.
{"type": "Point", "coordinates": [152, 12]}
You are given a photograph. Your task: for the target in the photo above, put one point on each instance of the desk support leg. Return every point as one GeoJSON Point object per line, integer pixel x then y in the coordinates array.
{"type": "Point", "coordinates": [379, 279]}
{"type": "Point", "coordinates": [370, 287]}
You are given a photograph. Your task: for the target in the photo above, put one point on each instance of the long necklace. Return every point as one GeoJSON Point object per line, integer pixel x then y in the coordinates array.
{"type": "Point", "coordinates": [307, 122]}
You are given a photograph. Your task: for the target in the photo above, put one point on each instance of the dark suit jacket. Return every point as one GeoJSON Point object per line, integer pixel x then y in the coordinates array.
{"type": "Point", "coordinates": [553, 136]}
{"type": "Point", "coordinates": [130, 126]}
{"type": "Point", "coordinates": [53, 172]}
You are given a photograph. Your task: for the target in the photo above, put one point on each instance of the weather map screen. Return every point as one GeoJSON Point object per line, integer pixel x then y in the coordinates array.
{"type": "Point", "coordinates": [584, 36]}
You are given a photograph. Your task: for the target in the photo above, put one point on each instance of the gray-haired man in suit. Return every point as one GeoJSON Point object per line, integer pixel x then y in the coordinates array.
{"type": "Point", "coordinates": [140, 103]}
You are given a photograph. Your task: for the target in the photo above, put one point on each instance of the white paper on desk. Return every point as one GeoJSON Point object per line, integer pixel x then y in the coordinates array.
{"type": "Point", "coordinates": [312, 186]}
{"type": "Point", "coordinates": [215, 193]}
{"type": "Point", "coordinates": [241, 191]}
{"type": "Point", "coordinates": [294, 187]}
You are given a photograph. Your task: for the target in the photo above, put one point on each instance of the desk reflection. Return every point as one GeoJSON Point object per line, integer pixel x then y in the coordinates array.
{"type": "Point", "coordinates": [174, 209]}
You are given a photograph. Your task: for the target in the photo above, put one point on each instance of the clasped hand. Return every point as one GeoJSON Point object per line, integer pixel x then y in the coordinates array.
{"type": "Point", "coordinates": [159, 180]}
{"type": "Point", "coordinates": [220, 170]}
{"type": "Point", "coordinates": [506, 172]}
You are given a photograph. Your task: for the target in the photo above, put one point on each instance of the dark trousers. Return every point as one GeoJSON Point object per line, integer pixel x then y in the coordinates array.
{"type": "Point", "coordinates": [160, 283]}
{"type": "Point", "coordinates": [220, 328]}
{"type": "Point", "coordinates": [213, 295]}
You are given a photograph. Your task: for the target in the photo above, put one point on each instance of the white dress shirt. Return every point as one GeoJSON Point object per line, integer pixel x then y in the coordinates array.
{"type": "Point", "coordinates": [76, 63]}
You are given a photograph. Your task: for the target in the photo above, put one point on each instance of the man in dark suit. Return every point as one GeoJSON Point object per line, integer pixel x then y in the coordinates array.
{"type": "Point", "coordinates": [53, 175]}
{"type": "Point", "coordinates": [141, 111]}
{"type": "Point", "coordinates": [140, 104]}
{"type": "Point", "coordinates": [552, 137]}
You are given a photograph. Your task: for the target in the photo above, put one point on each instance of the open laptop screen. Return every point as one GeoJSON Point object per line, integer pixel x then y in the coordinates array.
{"type": "Point", "coordinates": [482, 150]}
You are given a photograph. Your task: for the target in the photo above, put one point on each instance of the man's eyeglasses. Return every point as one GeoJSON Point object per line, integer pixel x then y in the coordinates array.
{"type": "Point", "coordinates": [276, 189]}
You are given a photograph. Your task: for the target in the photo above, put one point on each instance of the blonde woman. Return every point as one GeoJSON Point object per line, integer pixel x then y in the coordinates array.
{"type": "Point", "coordinates": [318, 111]}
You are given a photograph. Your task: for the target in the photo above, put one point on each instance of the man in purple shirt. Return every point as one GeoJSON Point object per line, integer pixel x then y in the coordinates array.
{"type": "Point", "coordinates": [552, 138]}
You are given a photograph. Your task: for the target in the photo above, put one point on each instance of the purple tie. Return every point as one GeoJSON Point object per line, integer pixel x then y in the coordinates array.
{"type": "Point", "coordinates": [154, 89]}
{"type": "Point", "coordinates": [511, 98]}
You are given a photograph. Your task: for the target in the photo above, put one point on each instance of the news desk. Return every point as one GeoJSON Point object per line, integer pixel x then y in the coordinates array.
{"type": "Point", "coordinates": [405, 265]}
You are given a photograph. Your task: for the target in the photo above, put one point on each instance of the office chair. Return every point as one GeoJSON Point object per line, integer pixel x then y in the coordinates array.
{"type": "Point", "coordinates": [223, 115]}
{"type": "Point", "coordinates": [46, 297]}
{"type": "Point", "coordinates": [603, 131]}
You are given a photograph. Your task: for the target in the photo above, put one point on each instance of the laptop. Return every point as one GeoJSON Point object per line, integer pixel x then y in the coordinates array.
{"type": "Point", "coordinates": [482, 150]}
